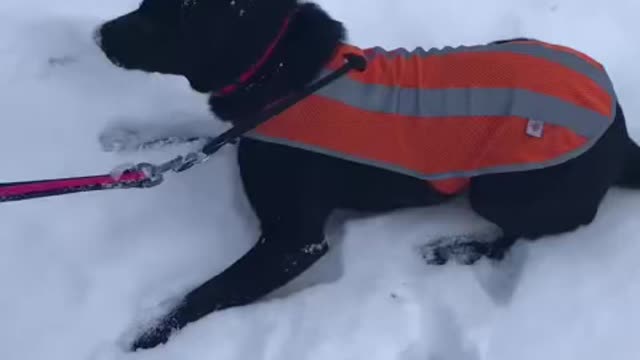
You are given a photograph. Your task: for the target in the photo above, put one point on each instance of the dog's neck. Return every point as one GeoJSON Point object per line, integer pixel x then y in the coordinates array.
{"type": "Point", "coordinates": [308, 43]}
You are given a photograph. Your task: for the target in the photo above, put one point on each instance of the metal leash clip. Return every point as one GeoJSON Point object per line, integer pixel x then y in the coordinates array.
{"type": "Point", "coordinates": [155, 173]}
{"type": "Point", "coordinates": [153, 176]}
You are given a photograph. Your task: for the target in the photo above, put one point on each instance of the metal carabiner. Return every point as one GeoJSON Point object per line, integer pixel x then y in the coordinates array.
{"type": "Point", "coordinates": [154, 176]}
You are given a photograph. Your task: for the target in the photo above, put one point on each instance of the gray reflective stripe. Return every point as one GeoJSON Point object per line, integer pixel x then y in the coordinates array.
{"type": "Point", "coordinates": [466, 102]}
{"type": "Point", "coordinates": [569, 60]}
{"type": "Point", "coordinates": [437, 176]}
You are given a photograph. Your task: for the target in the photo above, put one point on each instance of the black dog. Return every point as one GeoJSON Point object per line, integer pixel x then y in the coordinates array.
{"type": "Point", "coordinates": [293, 191]}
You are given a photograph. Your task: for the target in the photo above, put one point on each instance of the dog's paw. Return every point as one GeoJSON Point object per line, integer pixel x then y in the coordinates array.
{"type": "Point", "coordinates": [152, 338]}
{"type": "Point", "coordinates": [154, 325]}
{"type": "Point", "coordinates": [463, 249]}
{"type": "Point", "coordinates": [467, 253]}
{"type": "Point", "coordinates": [463, 253]}
{"type": "Point", "coordinates": [157, 334]}
{"type": "Point", "coordinates": [434, 254]}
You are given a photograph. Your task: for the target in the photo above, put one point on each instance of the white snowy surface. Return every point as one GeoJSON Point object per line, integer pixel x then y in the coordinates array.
{"type": "Point", "coordinates": [77, 273]}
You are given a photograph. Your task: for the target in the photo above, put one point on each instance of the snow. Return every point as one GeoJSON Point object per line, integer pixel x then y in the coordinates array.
{"type": "Point", "coordinates": [79, 273]}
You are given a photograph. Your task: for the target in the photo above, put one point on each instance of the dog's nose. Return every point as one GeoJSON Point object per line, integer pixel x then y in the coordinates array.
{"type": "Point", "coordinates": [97, 36]}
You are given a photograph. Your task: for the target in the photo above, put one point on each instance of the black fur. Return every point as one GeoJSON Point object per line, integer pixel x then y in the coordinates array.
{"type": "Point", "coordinates": [293, 192]}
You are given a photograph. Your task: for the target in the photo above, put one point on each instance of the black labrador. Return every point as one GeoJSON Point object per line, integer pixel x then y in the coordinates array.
{"type": "Point", "coordinates": [293, 191]}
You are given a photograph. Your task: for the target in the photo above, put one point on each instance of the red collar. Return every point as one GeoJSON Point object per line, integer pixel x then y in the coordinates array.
{"type": "Point", "coordinates": [251, 72]}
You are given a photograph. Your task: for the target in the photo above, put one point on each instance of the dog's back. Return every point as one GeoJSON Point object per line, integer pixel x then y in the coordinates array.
{"type": "Point", "coordinates": [446, 115]}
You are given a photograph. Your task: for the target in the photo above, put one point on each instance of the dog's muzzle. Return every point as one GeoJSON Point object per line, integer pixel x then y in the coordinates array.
{"type": "Point", "coordinates": [122, 39]}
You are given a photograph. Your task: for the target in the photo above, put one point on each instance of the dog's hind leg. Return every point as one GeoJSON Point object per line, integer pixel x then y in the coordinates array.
{"type": "Point", "coordinates": [555, 200]}
{"type": "Point", "coordinates": [532, 204]}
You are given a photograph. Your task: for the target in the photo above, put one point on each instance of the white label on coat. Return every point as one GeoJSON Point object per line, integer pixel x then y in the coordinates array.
{"type": "Point", "coordinates": [535, 128]}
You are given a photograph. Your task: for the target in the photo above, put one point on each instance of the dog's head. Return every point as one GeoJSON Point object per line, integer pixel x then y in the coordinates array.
{"type": "Point", "coordinates": [210, 42]}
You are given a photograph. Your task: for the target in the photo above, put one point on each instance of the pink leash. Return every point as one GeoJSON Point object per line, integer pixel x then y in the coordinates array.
{"type": "Point", "coordinates": [135, 178]}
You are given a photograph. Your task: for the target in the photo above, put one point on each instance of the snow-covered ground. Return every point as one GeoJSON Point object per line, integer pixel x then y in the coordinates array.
{"type": "Point", "coordinates": [77, 273]}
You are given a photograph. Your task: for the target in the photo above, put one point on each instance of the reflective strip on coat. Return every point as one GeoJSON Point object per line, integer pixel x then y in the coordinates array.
{"type": "Point", "coordinates": [446, 115]}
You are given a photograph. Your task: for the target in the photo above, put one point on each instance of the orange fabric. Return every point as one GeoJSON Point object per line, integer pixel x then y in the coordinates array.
{"type": "Point", "coordinates": [457, 144]}
{"type": "Point", "coordinates": [442, 145]}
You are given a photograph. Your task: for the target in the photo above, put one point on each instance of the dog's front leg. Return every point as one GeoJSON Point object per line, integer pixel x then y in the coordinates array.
{"type": "Point", "coordinates": [292, 198]}
{"type": "Point", "coordinates": [270, 264]}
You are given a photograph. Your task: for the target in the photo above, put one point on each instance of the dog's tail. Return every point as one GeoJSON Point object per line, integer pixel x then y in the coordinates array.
{"type": "Point", "coordinates": [630, 177]}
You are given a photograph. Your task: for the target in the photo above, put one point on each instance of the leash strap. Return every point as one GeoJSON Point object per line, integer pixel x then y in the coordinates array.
{"type": "Point", "coordinates": [146, 175]}
{"type": "Point", "coordinates": [53, 187]}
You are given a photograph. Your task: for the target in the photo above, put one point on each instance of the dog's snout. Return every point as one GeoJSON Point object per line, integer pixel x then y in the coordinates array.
{"type": "Point", "coordinates": [138, 40]}
{"type": "Point", "coordinates": [122, 39]}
